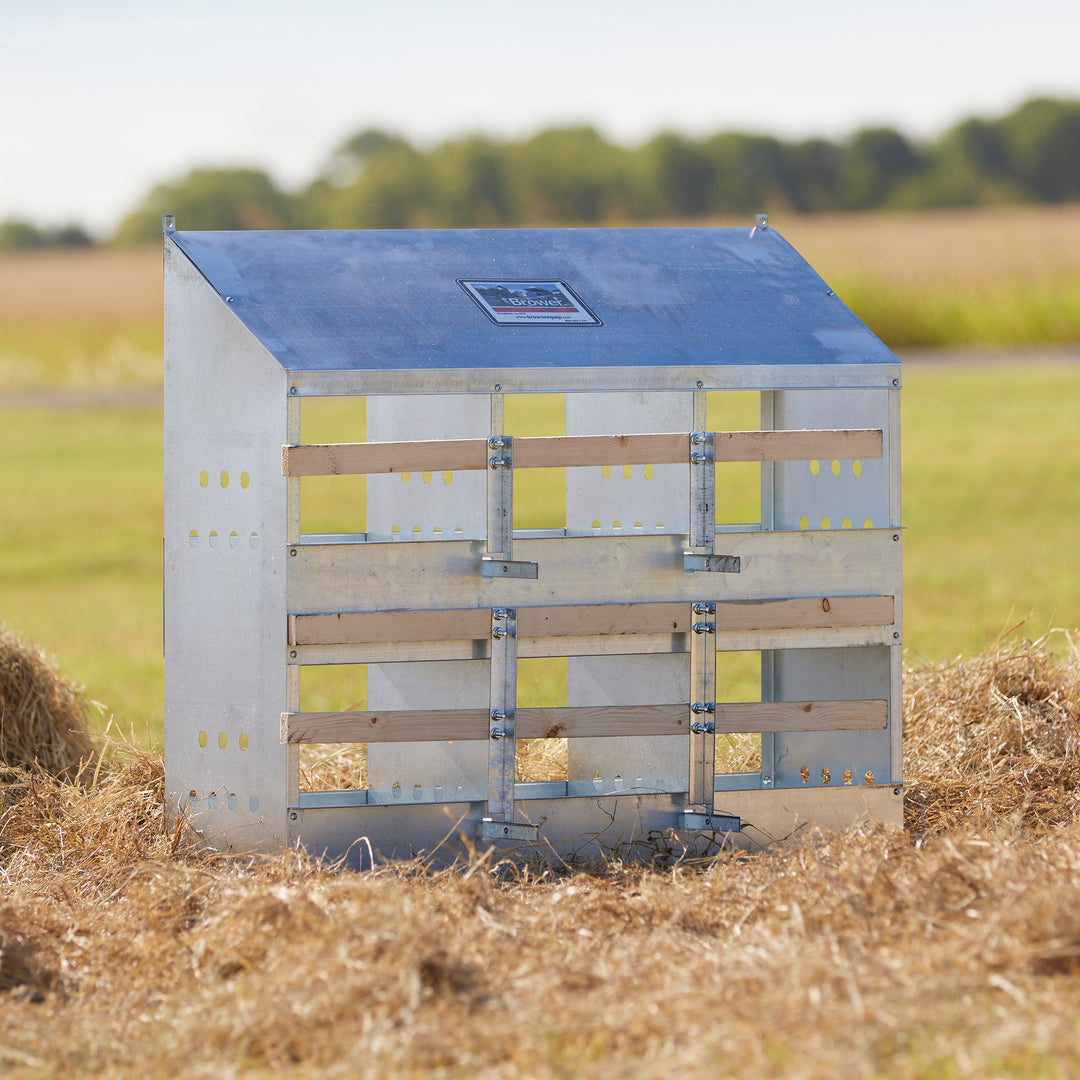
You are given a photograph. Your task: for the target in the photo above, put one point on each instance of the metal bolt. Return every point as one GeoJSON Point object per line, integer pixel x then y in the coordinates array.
{"type": "Point", "coordinates": [499, 632]}
{"type": "Point", "coordinates": [293, 816]}
{"type": "Point", "coordinates": [704, 628]}
{"type": "Point", "coordinates": [700, 384]}
{"type": "Point", "coordinates": [499, 462]}
{"type": "Point", "coordinates": [700, 707]}
{"type": "Point", "coordinates": [229, 300]}
{"type": "Point", "coordinates": [292, 653]}
{"type": "Point", "coordinates": [896, 382]}
{"type": "Point", "coordinates": [766, 780]}
{"type": "Point", "coordinates": [495, 442]}
{"type": "Point", "coordinates": [497, 734]}
{"type": "Point", "coordinates": [702, 608]}
{"type": "Point", "coordinates": [497, 716]}
{"type": "Point", "coordinates": [292, 389]}
{"type": "Point", "coordinates": [498, 386]}
{"type": "Point", "coordinates": [292, 551]}
{"type": "Point", "coordinates": [697, 459]}
{"type": "Point", "coordinates": [896, 635]}
{"type": "Point", "coordinates": [499, 614]}
{"type": "Point", "coordinates": [697, 437]}
{"type": "Point", "coordinates": [896, 536]}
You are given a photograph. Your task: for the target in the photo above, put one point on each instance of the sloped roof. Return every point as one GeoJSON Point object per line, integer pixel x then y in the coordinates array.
{"type": "Point", "coordinates": [395, 300]}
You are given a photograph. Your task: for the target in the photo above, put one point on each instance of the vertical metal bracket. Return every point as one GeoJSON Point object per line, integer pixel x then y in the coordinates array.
{"type": "Point", "coordinates": [503, 705]}
{"type": "Point", "coordinates": [702, 538]}
{"type": "Point", "coordinates": [703, 708]}
{"type": "Point", "coordinates": [498, 561]}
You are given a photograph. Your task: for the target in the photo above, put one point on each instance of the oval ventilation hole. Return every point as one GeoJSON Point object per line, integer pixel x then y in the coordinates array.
{"type": "Point", "coordinates": [406, 477]}
{"type": "Point", "coordinates": [846, 523]}
{"type": "Point", "coordinates": [204, 478]}
{"type": "Point", "coordinates": [815, 467]}
{"type": "Point", "coordinates": [253, 540]}
{"type": "Point", "coordinates": [804, 523]}
{"type": "Point", "coordinates": [447, 477]}
{"type": "Point", "coordinates": [825, 523]}
{"type": "Point", "coordinates": [203, 739]}
{"type": "Point", "coordinates": [605, 471]}
{"type": "Point", "coordinates": [868, 523]}
{"type": "Point", "coordinates": [627, 471]}
{"type": "Point", "coordinates": [426, 477]}
{"type": "Point", "coordinates": [193, 538]}
{"type": "Point", "coordinates": [648, 472]}
{"type": "Point", "coordinates": [223, 741]}
{"type": "Point", "coordinates": [244, 743]}
{"type": "Point", "coordinates": [214, 538]}
{"type": "Point", "coordinates": [836, 467]}
{"type": "Point", "coordinates": [224, 478]}
{"type": "Point", "coordinates": [856, 467]}
{"type": "Point", "coordinates": [245, 480]}
{"type": "Point", "coordinates": [234, 539]}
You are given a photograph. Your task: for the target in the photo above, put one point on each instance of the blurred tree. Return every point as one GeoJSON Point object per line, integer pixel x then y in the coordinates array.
{"type": "Point", "coordinates": [470, 185]}
{"type": "Point", "coordinates": [222, 199]}
{"type": "Point", "coordinates": [677, 177]}
{"type": "Point", "coordinates": [814, 168]}
{"type": "Point", "coordinates": [1043, 142]}
{"type": "Point", "coordinates": [876, 162]}
{"type": "Point", "coordinates": [752, 172]}
{"type": "Point", "coordinates": [22, 236]}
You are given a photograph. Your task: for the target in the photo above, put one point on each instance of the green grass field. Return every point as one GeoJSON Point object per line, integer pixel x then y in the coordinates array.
{"type": "Point", "coordinates": [991, 474]}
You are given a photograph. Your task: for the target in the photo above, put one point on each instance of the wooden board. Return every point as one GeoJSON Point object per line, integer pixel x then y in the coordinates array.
{"type": "Point", "coordinates": [565, 451]}
{"type": "Point", "coordinates": [580, 620]}
{"type": "Point", "coordinates": [600, 721]}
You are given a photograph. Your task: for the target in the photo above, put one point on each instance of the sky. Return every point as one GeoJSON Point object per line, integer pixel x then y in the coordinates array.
{"type": "Point", "coordinates": [102, 99]}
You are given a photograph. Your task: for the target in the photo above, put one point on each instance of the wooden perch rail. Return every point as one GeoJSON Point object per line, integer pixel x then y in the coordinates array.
{"type": "Point", "coordinates": [803, 613]}
{"type": "Point", "coordinates": [567, 451]}
{"type": "Point", "coordinates": [600, 721]}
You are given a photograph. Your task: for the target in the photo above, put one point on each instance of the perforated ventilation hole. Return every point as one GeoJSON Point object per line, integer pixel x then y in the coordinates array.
{"type": "Point", "coordinates": [856, 467]}
{"type": "Point", "coordinates": [804, 523]}
{"type": "Point", "coordinates": [193, 538]}
{"type": "Point", "coordinates": [627, 471]}
{"type": "Point", "coordinates": [846, 523]}
{"type": "Point", "coordinates": [223, 740]}
{"type": "Point", "coordinates": [214, 538]}
{"type": "Point", "coordinates": [868, 778]}
{"type": "Point", "coordinates": [815, 467]}
{"type": "Point", "coordinates": [605, 471]}
{"type": "Point", "coordinates": [212, 802]}
{"type": "Point", "coordinates": [406, 477]}
{"type": "Point", "coordinates": [253, 540]}
{"type": "Point", "coordinates": [848, 776]}
{"type": "Point", "coordinates": [253, 804]}
{"type": "Point", "coordinates": [244, 742]}
{"type": "Point", "coordinates": [204, 478]}
{"type": "Point", "coordinates": [825, 523]}
{"type": "Point", "coordinates": [868, 523]}
{"type": "Point", "coordinates": [648, 472]}
{"type": "Point", "coordinates": [224, 479]}
{"type": "Point", "coordinates": [203, 739]}
{"type": "Point", "coordinates": [804, 774]}
{"type": "Point", "coordinates": [836, 467]}
{"type": "Point", "coordinates": [447, 477]}
{"type": "Point", "coordinates": [426, 477]}
{"type": "Point", "coordinates": [233, 802]}
{"type": "Point", "coordinates": [245, 480]}
{"type": "Point", "coordinates": [826, 776]}
{"type": "Point", "coordinates": [234, 539]}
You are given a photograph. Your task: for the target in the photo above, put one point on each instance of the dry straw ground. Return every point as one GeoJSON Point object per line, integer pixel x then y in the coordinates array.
{"type": "Point", "coordinates": [948, 949]}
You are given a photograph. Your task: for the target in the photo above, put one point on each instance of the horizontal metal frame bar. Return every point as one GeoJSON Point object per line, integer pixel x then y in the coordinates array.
{"type": "Point", "coordinates": [599, 721]}
{"type": "Point", "coordinates": [636, 569]}
{"type": "Point", "coordinates": [584, 620]}
{"type": "Point", "coordinates": [567, 451]}
{"type": "Point", "coordinates": [718, 376]}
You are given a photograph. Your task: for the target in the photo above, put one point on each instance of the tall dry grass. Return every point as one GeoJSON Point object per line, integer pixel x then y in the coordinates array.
{"type": "Point", "coordinates": [949, 949]}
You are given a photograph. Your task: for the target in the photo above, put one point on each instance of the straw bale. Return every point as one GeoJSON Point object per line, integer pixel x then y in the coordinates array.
{"type": "Point", "coordinates": [43, 718]}
{"type": "Point", "coordinates": [995, 738]}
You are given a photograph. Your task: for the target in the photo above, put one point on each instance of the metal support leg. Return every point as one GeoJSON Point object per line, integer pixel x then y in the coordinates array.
{"type": "Point", "coordinates": [498, 562]}
{"type": "Point", "coordinates": [703, 708]}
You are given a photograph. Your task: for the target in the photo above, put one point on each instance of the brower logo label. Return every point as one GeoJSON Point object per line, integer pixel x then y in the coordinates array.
{"type": "Point", "coordinates": [529, 303]}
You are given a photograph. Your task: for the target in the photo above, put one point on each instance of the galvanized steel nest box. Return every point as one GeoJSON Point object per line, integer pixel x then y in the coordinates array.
{"type": "Point", "coordinates": [430, 591]}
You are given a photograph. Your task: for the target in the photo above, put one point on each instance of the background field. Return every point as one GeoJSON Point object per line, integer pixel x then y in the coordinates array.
{"type": "Point", "coordinates": [991, 463]}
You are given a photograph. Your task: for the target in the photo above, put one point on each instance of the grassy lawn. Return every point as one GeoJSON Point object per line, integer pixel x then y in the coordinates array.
{"type": "Point", "coordinates": [991, 503]}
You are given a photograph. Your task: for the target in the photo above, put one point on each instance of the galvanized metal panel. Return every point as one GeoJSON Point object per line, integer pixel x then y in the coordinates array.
{"type": "Point", "coordinates": [369, 301]}
{"type": "Point", "coordinates": [625, 826]}
{"type": "Point", "coordinates": [583, 570]}
{"type": "Point", "coordinates": [225, 562]}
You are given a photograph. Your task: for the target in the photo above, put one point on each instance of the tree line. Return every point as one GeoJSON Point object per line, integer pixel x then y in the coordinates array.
{"type": "Point", "coordinates": [574, 176]}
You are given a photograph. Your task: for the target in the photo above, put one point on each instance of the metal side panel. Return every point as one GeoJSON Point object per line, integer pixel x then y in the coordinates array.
{"type": "Point", "coordinates": [577, 829]}
{"type": "Point", "coordinates": [583, 570]}
{"type": "Point", "coordinates": [225, 561]}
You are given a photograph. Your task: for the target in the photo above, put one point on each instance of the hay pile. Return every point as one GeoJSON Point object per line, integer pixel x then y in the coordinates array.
{"type": "Point", "coordinates": [995, 739]}
{"type": "Point", "coordinates": [43, 718]}
{"type": "Point", "coordinates": [126, 948]}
